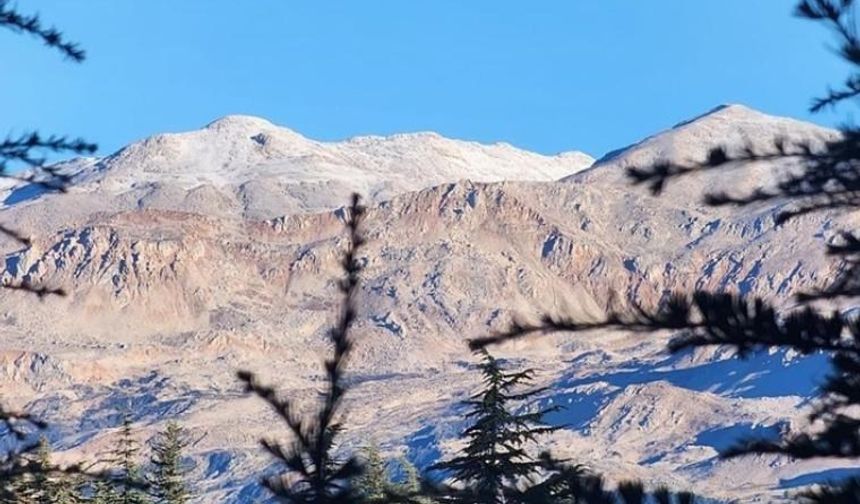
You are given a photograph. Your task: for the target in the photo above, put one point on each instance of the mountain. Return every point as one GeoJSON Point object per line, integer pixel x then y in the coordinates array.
{"type": "Point", "coordinates": [247, 166]}
{"type": "Point", "coordinates": [734, 127]}
{"type": "Point", "coordinates": [178, 277]}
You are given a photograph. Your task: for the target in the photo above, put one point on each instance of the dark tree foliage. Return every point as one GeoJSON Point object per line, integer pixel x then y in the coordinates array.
{"type": "Point", "coordinates": [314, 471]}
{"type": "Point", "coordinates": [10, 18]}
{"type": "Point", "coordinates": [126, 479]}
{"type": "Point", "coordinates": [168, 476]}
{"type": "Point", "coordinates": [825, 176]}
{"type": "Point", "coordinates": [495, 465]}
{"type": "Point", "coordinates": [372, 485]}
{"type": "Point", "coordinates": [565, 483]}
{"type": "Point", "coordinates": [631, 491]}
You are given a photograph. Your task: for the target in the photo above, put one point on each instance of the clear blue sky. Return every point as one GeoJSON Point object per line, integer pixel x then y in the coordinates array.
{"type": "Point", "coordinates": [549, 76]}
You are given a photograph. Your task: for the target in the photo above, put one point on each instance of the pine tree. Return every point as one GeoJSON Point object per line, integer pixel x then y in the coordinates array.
{"type": "Point", "coordinates": [411, 484]}
{"type": "Point", "coordinates": [127, 479]}
{"type": "Point", "coordinates": [373, 483]}
{"type": "Point", "coordinates": [40, 492]}
{"type": "Point", "coordinates": [494, 465]}
{"type": "Point", "coordinates": [495, 468]}
{"type": "Point", "coordinates": [376, 485]}
{"type": "Point", "coordinates": [167, 481]}
{"type": "Point", "coordinates": [411, 488]}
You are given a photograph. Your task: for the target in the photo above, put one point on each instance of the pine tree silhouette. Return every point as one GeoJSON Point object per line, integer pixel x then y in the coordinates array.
{"type": "Point", "coordinates": [828, 179]}
{"type": "Point", "coordinates": [315, 473]}
{"type": "Point", "coordinates": [38, 490]}
{"type": "Point", "coordinates": [167, 481]}
{"type": "Point", "coordinates": [495, 465]}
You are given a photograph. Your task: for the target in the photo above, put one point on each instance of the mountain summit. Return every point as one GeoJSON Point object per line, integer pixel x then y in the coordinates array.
{"type": "Point", "coordinates": [731, 126]}
{"type": "Point", "coordinates": [262, 170]}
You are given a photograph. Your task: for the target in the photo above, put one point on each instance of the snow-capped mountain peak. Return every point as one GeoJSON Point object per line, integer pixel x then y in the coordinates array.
{"type": "Point", "coordinates": [731, 126]}
{"type": "Point", "coordinates": [260, 169]}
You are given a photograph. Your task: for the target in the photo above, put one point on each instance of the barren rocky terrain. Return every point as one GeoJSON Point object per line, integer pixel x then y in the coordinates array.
{"type": "Point", "coordinates": [190, 256]}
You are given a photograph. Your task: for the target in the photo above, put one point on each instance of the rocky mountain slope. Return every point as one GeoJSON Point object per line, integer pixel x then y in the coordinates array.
{"type": "Point", "coordinates": [190, 256]}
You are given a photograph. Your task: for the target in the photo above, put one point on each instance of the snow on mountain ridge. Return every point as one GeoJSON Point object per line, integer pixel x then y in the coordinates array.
{"type": "Point", "coordinates": [233, 121]}
{"type": "Point", "coordinates": [732, 127]}
{"type": "Point", "coordinates": [248, 165]}
{"type": "Point", "coordinates": [729, 125]}
{"type": "Point", "coordinates": [236, 148]}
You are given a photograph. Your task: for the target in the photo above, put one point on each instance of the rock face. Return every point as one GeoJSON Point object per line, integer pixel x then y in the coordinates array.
{"type": "Point", "coordinates": [190, 256]}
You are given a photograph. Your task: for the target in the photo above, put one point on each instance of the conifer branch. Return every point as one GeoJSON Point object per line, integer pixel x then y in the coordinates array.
{"type": "Point", "coordinates": [314, 472]}
{"type": "Point", "coordinates": [32, 24]}
{"type": "Point", "coordinates": [26, 149]}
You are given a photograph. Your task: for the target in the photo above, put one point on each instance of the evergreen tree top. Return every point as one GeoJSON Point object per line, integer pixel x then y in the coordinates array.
{"type": "Point", "coordinates": [496, 462]}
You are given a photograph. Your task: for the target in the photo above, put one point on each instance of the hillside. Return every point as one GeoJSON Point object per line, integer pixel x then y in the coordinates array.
{"type": "Point", "coordinates": [189, 256]}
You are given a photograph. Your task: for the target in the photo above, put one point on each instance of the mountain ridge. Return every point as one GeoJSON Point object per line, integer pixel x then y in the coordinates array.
{"type": "Point", "coordinates": [748, 124]}
{"type": "Point", "coordinates": [173, 289]}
